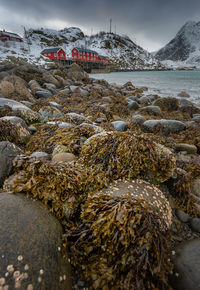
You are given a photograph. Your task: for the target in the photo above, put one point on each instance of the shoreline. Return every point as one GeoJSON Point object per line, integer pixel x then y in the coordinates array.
{"type": "Point", "coordinates": [117, 169]}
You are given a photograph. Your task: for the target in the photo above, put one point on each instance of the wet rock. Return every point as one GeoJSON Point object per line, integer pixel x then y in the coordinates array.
{"type": "Point", "coordinates": [152, 111]}
{"type": "Point", "coordinates": [8, 152]}
{"type": "Point", "coordinates": [19, 86]}
{"type": "Point", "coordinates": [183, 94]}
{"type": "Point", "coordinates": [189, 109]}
{"type": "Point", "coordinates": [182, 216]}
{"type": "Point", "coordinates": [39, 262]}
{"type": "Point", "coordinates": [144, 100]}
{"type": "Point", "coordinates": [50, 112]}
{"type": "Point", "coordinates": [40, 155]}
{"type": "Point", "coordinates": [21, 110]}
{"type": "Point", "coordinates": [34, 86]}
{"type": "Point", "coordinates": [60, 124]}
{"type": "Point", "coordinates": [48, 78]}
{"type": "Point", "coordinates": [56, 105]}
{"type": "Point", "coordinates": [132, 105]}
{"type": "Point", "coordinates": [187, 266]}
{"type": "Point", "coordinates": [59, 149]}
{"type": "Point", "coordinates": [195, 225]}
{"type": "Point", "coordinates": [96, 128]}
{"type": "Point", "coordinates": [138, 119]}
{"type": "Point", "coordinates": [43, 94]}
{"type": "Point", "coordinates": [191, 149]}
{"type": "Point", "coordinates": [133, 98]}
{"type": "Point", "coordinates": [163, 126]}
{"type": "Point", "coordinates": [77, 118]}
{"type": "Point", "coordinates": [63, 157]}
{"type": "Point", "coordinates": [50, 87]}
{"type": "Point", "coordinates": [120, 125]}
{"type": "Point", "coordinates": [32, 129]}
{"type": "Point", "coordinates": [167, 104]}
{"type": "Point", "coordinates": [195, 186]}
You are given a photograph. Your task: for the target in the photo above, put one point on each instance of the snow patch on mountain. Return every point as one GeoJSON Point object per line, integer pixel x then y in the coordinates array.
{"type": "Point", "coordinates": [184, 49]}
{"type": "Point", "coordinates": [122, 51]}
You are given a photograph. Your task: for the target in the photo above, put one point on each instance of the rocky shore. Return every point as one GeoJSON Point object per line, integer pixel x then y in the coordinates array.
{"type": "Point", "coordinates": [99, 184]}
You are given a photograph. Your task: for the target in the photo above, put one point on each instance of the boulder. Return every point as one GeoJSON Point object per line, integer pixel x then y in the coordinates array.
{"type": "Point", "coordinates": [138, 119]}
{"type": "Point", "coordinates": [43, 94]}
{"type": "Point", "coordinates": [120, 125]}
{"type": "Point", "coordinates": [187, 266]}
{"type": "Point", "coordinates": [50, 112]}
{"type": "Point", "coordinates": [31, 251]}
{"type": "Point", "coordinates": [132, 105]}
{"type": "Point", "coordinates": [144, 100]}
{"type": "Point", "coordinates": [168, 104]}
{"type": "Point", "coordinates": [40, 155]}
{"type": "Point", "coordinates": [191, 149]}
{"type": "Point", "coordinates": [152, 111]}
{"type": "Point", "coordinates": [63, 157]}
{"type": "Point", "coordinates": [195, 225]}
{"type": "Point", "coordinates": [21, 110]}
{"type": "Point", "coordinates": [8, 152]}
{"type": "Point", "coordinates": [163, 126]}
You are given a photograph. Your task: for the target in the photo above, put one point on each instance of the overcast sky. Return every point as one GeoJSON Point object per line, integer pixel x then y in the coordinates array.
{"type": "Point", "coordinates": [151, 23]}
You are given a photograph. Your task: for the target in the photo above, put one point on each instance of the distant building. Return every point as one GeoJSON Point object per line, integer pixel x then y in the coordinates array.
{"type": "Point", "coordinates": [9, 36]}
{"type": "Point", "coordinates": [54, 53]}
{"type": "Point", "coordinates": [84, 54]}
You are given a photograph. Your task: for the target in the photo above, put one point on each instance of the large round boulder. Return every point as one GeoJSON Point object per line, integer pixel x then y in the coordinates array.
{"type": "Point", "coordinates": [163, 126]}
{"type": "Point", "coordinates": [31, 252]}
{"type": "Point", "coordinates": [187, 266]}
{"type": "Point", "coordinates": [8, 151]}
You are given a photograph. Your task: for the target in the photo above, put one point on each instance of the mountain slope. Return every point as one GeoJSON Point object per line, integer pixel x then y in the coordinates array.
{"type": "Point", "coordinates": [184, 47]}
{"type": "Point", "coordinates": [122, 51]}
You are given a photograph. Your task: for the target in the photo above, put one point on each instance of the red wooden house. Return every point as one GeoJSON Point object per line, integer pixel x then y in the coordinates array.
{"type": "Point", "coordinates": [54, 53]}
{"type": "Point", "coordinates": [9, 36]}
{"type": "Point", "coordinates": [103, 59]}
{"type": "Point", "coordinates": [82, 54]}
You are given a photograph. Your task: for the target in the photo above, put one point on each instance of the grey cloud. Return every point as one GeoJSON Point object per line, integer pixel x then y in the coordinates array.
{"type": "Point", "coordinates": [150, 21]}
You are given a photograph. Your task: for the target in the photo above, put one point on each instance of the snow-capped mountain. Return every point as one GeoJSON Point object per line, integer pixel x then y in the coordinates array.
{"type": "Point", "coordinates": [122, 51]}
{"type": "Point", "coordinates": [184, 48]}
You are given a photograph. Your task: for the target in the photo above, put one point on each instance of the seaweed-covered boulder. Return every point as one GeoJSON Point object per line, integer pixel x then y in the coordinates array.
{"type": "Point", "coordinates": [124, 155]}
{"type": "Point", "coordinates": [122, 241]}
{"type": "Point", "coordinates": [168, 104]}
{"type": "Point", "coordinates": [19, 89]}
{"type": "Point", "coordinates": [187, 266]}
{"type": "Point", "coordinates": [152, 111]}
{"type": "Point", "coordinates": [39, 262]}
{"type": "Point", "coordinates": [8, 152]}
{"type": "Point", "coordinates": [21, 110]}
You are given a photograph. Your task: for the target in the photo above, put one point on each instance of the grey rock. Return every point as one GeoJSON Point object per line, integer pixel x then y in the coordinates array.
{"type": "Point", "coordinates": [138, 119]}
{"type": "Point", "coordinates": [187, 266]}
{"type": "Point", "coordinates": [40, 155]}
{"type": "Point", "coordinates": [152, 111]}
{"type": "Point", "coordinates": [16, 121]}
{"type": "Point", "coordinates": [8, 152]}
{"type": "Point", "coordinates": [144, 100]}
{"type": "Point", "coordinates": [32, 129]}
{"type": "Point", "coordinates": [195, 225]}
{"type": "Point", "coordinates": [133, 105]}
{"type": "Point", "coordinates": [56, 105]}
{"type": "Point", "coordinates": [120, 125]}
{"type": "Point", "coordinates": [164, 126]}
{"type": "Point", "coordinates": [31, 246]}
{"type": "Point", "coordinates": [60, 124]}
{"type": "Point", "coordinates": [182, 216]}
{"type": "Point", "coordinates": [191, 149]}
{"type": "Point", "coordinates": [43, 94]}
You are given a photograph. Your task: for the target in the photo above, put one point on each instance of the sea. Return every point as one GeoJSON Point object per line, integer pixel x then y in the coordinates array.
{"type": "Point", "coordinates": [163, 83]}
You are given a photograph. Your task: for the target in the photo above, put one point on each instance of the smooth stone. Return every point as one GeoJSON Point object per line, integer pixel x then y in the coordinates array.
{"type": "Point", "coordinates": [63, 157]}
{"type": "Point", "coordinates": [56, 105]}
{"type": "Point", "coordinates": [96, 128]}
{"type": "Point", "coordinates": [43, 94]}
{"type": "Point", "coordinates": [165, 126]}
{"type": "Point", "coordinates": [31, 247]}
{"type": "Point", "coordinates": [132, 105]}
{"type": "Point", "coordinates": [182, 216]}
{"type": "Point", "coordinates": [60, 124]}
{"type": "Point", "coordinates": [195, 186]}
{"type": "Point", "coordinates": [187, 266]}
{"type": "Point", "coordinates": [59, 149]}
{"type": "Point", "coordinates": [8, 151]}
{"type": "Point", "coordinates": [120, 125]}
{"type": "Point", "coordinates": [40, 155]}
{"type": "Point", "coordinates": [138, 119]}
{"type": "Point", "coordinates": [144, 100]}
{"type": "Point", "coordinates": [32, 129]}
{"type": "Point", "coordinates": [152, 111]}
{"type": "Point", "coordinates": [195, 225]}
{"type": "Point", "coordinates": [191, 149]}
{"type": "Point", "coordinates": [132, 98]}
{"type": "Point", "coordinates": [25, 113]}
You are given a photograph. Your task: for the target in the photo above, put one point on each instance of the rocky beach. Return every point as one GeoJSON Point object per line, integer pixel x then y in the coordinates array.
{"type": "Point", "coordinates": [99, 183]}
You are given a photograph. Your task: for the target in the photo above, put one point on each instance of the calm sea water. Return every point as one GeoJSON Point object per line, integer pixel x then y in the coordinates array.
{"type": "Point", "coordinates": [164, 83]}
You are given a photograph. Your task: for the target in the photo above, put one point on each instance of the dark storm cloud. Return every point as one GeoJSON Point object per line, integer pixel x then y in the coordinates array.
{"type": "Point", "coordinates": [152, 22]}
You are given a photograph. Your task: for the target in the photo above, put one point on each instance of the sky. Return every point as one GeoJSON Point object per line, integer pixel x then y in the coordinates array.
{"type": "Point", "coordinates": [149, 23]}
